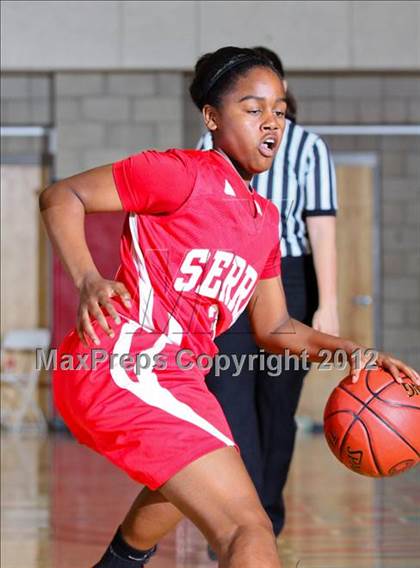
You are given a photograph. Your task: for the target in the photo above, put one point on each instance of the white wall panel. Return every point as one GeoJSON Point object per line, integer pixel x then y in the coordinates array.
{"type": "Point", "coordinates": [307, 35]}
{"type": "Point", "coordinates": [159, 34]}
{"type": "Point", "coordinates": [170, 34]}
{"type": "Point", "coordinates": [385, 35]}
{"type": "Point", "coordinates": [63, 35]}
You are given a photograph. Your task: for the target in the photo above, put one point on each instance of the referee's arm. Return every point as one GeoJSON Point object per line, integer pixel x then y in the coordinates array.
{"type": "Point", "coordinates": [320, 212]}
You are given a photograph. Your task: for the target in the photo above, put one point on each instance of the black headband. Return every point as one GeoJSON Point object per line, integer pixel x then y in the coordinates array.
{"type": "Point", "coordinates": [234, 62]}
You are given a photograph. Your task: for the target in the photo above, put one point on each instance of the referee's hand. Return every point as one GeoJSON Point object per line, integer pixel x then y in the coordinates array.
{"type": "Point", "coordinates": [95, 294]}
{"type": "Point", "coordinates": [326, 320]}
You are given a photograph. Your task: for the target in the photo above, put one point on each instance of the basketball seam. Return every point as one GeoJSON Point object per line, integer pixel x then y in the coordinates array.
{"type": "Point", "coordinates": [377, 416]}
{"type": "Point", "coordinates": [340, 412]}
{"type": "Point", "coordinates": [355, 419]}
{"type": "Point", "coordinates": [340, 386]}
{"type": "Point", "coordinates": [392, 382]}
{"type": "Point", "coordinates": [395, 404]}
{"type": "Point", "coordinates": [370, 444]}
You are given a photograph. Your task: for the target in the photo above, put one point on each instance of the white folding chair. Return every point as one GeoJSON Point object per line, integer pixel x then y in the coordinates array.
{"type": "Point", "coordinates": [21, 379]}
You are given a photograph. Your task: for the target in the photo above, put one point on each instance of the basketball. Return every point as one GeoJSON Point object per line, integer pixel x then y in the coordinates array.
{"type": "Point", "coordinates": [373, 426]}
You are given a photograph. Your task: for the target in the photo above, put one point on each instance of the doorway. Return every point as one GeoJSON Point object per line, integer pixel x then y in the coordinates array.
{"type": "Point", "coordinates": [25, 288]}
{"type": "Point", "coordinates": [358, 269]}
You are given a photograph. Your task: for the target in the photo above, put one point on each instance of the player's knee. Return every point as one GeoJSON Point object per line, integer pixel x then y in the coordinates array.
{"type": "Point", "coordinates": [251, 527]}
{"type": "Point", "coordinates": [253, 530]}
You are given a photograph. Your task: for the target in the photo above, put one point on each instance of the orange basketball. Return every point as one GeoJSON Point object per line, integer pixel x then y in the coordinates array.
{"type": "Point", "coordinates": [373, 426]}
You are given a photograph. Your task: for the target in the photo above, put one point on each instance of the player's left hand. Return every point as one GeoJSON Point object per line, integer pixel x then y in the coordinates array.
{"type": "Point", "coordinates": [361, 357]}
{"type": "Point", "coordinates": [326, 320]}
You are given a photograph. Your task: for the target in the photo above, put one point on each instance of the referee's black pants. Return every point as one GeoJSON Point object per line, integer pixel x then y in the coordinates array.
{"type": "Point", "coordinates": [260, 408]}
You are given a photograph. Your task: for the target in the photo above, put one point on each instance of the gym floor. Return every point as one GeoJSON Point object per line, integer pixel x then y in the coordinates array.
{"type": "Point", "coordinates": [60, 502]}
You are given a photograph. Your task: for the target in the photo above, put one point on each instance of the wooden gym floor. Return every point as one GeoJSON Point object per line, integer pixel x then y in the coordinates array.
{"type": "Point", "coordinates": [61, 504]}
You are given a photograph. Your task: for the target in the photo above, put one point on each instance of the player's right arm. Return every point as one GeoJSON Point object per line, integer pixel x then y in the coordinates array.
{"type": "Point", "coordinates": [64, 205]}
{"type": "Point", "coordinates": [151, 182]}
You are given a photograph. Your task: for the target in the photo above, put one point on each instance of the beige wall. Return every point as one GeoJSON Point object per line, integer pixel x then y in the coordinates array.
{"type": "Point", "coordinates": [19, 246]}
{"type": "Point", "coordinates": [310, 35]}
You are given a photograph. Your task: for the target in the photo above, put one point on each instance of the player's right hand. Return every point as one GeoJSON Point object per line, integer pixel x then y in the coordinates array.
{"type": "Point", "coordinates": [95, 294]}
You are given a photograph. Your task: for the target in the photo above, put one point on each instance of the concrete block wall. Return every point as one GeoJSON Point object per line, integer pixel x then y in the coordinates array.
{"type": "Point", "coordinates": [25, 101]}
{"type": "Point", "coordinates": [373, 99]}
{"type": "Point", "coordinates": [99, 117]}
{"type": "Point", "coordinates": [381, 99]}
{"type": "Point", "coordinates": [357, 98]}
{"type": "Point", "coordinates": [103, 117]}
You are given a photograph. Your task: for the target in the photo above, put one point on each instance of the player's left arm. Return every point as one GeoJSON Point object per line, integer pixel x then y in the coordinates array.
{"type": "Point", "coordinates": [275, 331]}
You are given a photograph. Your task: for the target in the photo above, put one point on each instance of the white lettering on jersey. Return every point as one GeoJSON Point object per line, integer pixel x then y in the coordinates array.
{"type": "Point", "coordinates": [222, 259]}
{"type": "Point", "coordinates": [224, 272]}
{"type": "Point", "coordinates": [232, 279]}
{"type": "Point", "coordinates": [243, 291]}
{"type": "Point", "coordinates": [194, 270]}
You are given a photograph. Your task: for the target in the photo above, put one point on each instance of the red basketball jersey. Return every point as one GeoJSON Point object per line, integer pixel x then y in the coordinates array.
{"type": "Point", "coordinates": [194, 244]}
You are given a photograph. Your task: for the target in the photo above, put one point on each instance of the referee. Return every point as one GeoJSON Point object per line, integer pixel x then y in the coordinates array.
{"type": "Point", "coordinates": [260, 407]}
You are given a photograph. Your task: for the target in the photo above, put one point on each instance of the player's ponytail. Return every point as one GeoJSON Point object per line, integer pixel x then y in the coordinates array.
{"type": "Point", "coordinates": [215, 73]}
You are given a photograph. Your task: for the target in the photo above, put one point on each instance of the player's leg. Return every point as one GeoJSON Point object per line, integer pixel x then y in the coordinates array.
{"type": "Point", "coordinates": [150, 517]}
{"type": "Point", "coordinates": [235, 389]}
{"type": "Point", "coordinates": [217, 494]}
{"type": "Point", "coordinates": [139, 527]}
{"type": "Point", "coordinates": [177, 422]}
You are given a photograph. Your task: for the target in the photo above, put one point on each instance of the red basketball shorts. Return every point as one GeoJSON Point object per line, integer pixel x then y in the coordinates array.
{"type": "Point", "coordinates": [149, 417]}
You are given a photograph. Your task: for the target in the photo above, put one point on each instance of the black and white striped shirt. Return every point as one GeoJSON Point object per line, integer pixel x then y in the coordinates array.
{"type": "Point", "coordinates": [301, 182]}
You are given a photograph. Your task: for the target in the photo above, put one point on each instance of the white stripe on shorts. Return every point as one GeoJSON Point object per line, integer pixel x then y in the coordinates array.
{"type": "Point", "coordinates": [148, 389]}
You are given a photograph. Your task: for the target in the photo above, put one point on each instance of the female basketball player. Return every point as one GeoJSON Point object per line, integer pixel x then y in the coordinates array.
{"type": "Point", "coordinates": [198, 245]}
